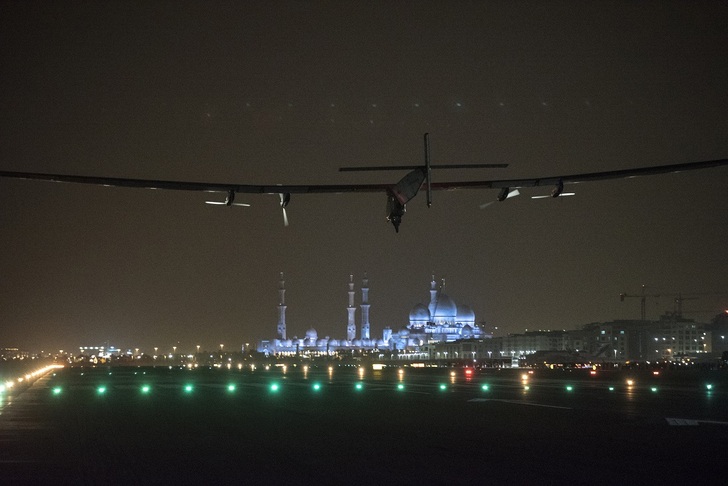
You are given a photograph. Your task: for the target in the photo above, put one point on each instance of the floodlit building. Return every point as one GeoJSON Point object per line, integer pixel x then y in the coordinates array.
{"type": "Point", "coordinates": [442, 320]}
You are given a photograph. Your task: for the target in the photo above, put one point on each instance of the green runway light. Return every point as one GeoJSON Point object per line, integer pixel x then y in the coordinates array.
{"type": "Point", "coordinates": [485, 387]}
{"type": "Point", "coordinates": [274, 387]}
{"type": "Point", "coordinates": [569, 388]}
{"type": "Point", "coordinates": [611, 388]}
{"type": "Point", "coordinates": [400, 387]}
{"type": "Point", "coordinates": [57, 390]}
{"type": "Point", "coordinates": [359, 386]}
{"type": "Point", "coordinates": [443, 387]}
{"type": "Point", "coordinates": [654, 388]}
{"type": "Point", "coordinates": [231, 388]}
{"type": "Point", "coordinates": [145, 389]}
{"type": "Point", "coordinates": [101, 390]}
{"type": "Point", "coordinates": [316, 386]}
{"type": "Point", "coordinates": [188, 388]}
{"type": "Point", "coordinates": [709, 387]}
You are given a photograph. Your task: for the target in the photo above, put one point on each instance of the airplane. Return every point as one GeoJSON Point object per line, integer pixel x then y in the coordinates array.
{"type": "Point", "coordinates": [398, 195]}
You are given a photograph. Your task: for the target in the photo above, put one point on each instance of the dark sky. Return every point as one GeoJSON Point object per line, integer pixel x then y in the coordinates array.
{"type": "Point", "coordinates": [288, 92]}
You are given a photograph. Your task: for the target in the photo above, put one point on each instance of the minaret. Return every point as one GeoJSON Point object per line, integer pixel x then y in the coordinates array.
{"type": "Point", "coordinates": [351, 326]}
{"type": "Point", "coordinates": [364, 308]}
{"type": "Point", "coordinates": [282, 309]}
{"type": "Point", "coordinates": [433, 297]}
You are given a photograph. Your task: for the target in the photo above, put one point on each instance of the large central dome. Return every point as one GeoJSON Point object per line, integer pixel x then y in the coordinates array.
{"type": "Point", "coordinates": [442, 319]}
{"type": "Point", "coordinates": [444, 309]}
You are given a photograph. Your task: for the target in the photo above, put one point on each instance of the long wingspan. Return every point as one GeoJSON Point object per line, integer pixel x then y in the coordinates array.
{"type": "Point", "coordinates": [397, 194]}
{"type": "Point", "coordinates": [341, 188]}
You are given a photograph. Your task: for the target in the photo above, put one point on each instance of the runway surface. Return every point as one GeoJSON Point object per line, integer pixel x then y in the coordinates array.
{"type": "Point", "coordinates": [345, 426]}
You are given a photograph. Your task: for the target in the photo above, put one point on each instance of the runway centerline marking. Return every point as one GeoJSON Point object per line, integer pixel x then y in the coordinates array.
{"type": "Point", "coordinates": [517, 402]}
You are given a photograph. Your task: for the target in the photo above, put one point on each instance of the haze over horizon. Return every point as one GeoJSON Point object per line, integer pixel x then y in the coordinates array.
{"type": "Point", "coordinates": [288, 92]}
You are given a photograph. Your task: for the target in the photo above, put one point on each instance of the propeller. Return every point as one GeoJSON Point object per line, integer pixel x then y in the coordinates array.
{"type": "Point", "coordinates": [285, 199]}
{"type": "Point", "coordinates": [544, 196]}
{"type": "Point", "coordinates": [228, 201]}
{"type": "Point", "coordinates": [557, 191]}
{"type": "Point", "coordinates": [505, 193]}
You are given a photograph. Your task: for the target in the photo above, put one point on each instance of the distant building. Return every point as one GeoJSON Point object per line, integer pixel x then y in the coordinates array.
{"type": "Point", "coordinates": [442, 320]}
{"type": "Point", "coordinates": [13, 353]}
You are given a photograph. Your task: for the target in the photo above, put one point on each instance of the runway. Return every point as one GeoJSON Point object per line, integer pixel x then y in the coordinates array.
{"type": "Point", "coordinates": [345, 425]}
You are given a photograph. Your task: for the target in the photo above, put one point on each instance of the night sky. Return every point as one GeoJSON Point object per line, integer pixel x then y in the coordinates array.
{"type": "Point", "coordinates": [288, 92]}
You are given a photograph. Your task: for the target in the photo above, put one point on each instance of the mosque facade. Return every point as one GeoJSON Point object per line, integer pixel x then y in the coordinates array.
{"type": "Point", "coordinates": [440, 321]}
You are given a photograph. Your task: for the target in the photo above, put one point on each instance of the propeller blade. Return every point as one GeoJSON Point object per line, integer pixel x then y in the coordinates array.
{"type": "Point", "coordinates": [242, 204]}
{"type": "Point", "coordinates": [285, 217]}
{"type": "Point", "coordinates": [217, 203]}
{"type": "Point", "coordinates": [513, 193]}
{"type": "Point", "coordinates": [548, 196]}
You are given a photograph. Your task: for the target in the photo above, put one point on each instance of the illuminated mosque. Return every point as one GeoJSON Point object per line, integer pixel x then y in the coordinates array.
{"type": "Point", "coordinates": [442, 320]}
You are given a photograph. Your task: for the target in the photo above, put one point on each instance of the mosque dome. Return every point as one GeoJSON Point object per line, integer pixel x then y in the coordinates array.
{"type": "Point", "coordinates": [465, 314]}
{"type": "Point", "coordinates": [445, 308]}
{"type": "Point", "coordinates": [466, 331]}
{"type": "Point", "coordinates": [333, 342]}
{"type": "Point", "coordinates": [311, 334]}
{"type": "Point", "coordinates": [419, 313]}
{"type": "Point", "coordinates": [357, 342]}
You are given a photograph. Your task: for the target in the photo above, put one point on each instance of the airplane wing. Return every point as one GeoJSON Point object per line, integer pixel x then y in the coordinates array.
{"type": "Point", "coordinates": [343, 188]}
{"type": "Point", "coordinates": [577, 178]}
{"type": "Point", "coordinates": [199, 186]}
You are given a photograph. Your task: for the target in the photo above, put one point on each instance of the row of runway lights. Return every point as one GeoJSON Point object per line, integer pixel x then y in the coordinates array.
{"type": "Point", "coordinates": [9, 384]}
{"type": "Point", "coordinates": [231, 388]}
{"type": "Point", "coordinates": [358, 386]}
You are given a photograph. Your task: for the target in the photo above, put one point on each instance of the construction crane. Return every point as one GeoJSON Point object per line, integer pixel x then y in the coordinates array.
{"type": "Point", "coordinates": [678, 304]}
{"type": "Point", "coordinates": [679, 298]}
{"type": "Point", "coordinates": [643, 299]}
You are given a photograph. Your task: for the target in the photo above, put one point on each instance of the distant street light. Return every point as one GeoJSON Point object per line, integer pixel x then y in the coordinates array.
{"type": "Point", "coordinates": [221, 347]}
{"type": "Point", "coordinates": [198, 349]}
